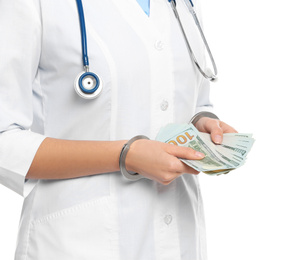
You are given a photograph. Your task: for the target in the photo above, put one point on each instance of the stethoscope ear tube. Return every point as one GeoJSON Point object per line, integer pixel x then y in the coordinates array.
{"type": "Point", "coordinates": [207, 73]}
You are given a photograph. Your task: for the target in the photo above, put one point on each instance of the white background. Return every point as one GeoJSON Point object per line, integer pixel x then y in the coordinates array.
{"type": "Point", "coordinates": [244, 208]}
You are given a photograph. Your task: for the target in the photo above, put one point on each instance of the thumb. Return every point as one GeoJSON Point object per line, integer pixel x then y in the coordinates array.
{"type": "Point", "coordinates": [216, 132]}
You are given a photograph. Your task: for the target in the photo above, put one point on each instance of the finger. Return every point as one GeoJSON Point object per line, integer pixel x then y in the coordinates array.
{"type": "Point", "coordinates": [177, 168]}
{"type": "Point", "coordinates": [167, 178]}
{"type": "Point", "coordinates": [184, 152]}
{"type": "Point", "coordinates": [215, 130]}
{"type": "Point", "coordinates": [173, 170]}
{"type": "Point", "coordinates": [187, 169]}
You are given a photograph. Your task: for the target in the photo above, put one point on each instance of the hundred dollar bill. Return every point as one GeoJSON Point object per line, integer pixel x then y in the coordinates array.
{"type": "Point", "coordinates": [219, 159]}
{"type": "Point", "coordinates": [233, 146]}
{"type": "Point", "coordinates": [190, 137]}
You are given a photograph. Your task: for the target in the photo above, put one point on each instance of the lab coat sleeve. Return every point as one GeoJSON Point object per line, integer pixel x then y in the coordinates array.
{"type": "Point", "coordinates": [20, 46]}
{"type": "Point", "coordinates": [203, 101]}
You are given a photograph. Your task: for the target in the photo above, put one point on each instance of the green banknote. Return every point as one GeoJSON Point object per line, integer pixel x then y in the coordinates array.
{"type": "Point", "coordinates": [219, 159]}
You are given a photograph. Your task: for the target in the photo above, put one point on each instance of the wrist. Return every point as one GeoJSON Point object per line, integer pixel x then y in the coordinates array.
{"type": "Point", "coordinates": [122, 159]}
{"type": "Point", "coordinates": [200, 115]}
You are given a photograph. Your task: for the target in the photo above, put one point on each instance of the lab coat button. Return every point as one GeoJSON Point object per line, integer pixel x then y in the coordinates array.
{"type": "Point", "coordinates": [168, 219]}
{"type": "Point", "coordinates": [164, 105]}
{"type": "Point", "coordinates": [159, 45]}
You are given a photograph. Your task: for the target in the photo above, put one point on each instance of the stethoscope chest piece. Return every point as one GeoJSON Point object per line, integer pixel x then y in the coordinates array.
{"type": "Point", "coordinates": [88, 85]}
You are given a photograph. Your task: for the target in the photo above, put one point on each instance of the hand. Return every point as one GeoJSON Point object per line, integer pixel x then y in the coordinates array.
{"type": "Point", "coordinates": [215, 128]}
{"type": "Point", "coordinates": [159, 161]}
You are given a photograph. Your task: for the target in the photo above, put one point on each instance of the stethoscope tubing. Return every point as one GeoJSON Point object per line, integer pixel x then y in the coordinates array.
{"type": "Point", "coordinates": [210, 76]}
{"type": "Point", "coordinates": [83, 33]}
{"type": "Point", "coordinates": [87, 84]}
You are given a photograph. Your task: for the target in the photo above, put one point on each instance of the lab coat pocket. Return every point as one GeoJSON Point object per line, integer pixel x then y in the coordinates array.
{"type": "Point", "coordinates": [85, 231]}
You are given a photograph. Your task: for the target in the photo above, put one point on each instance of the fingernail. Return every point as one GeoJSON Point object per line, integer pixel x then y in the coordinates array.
{"type": "Point", "coordinates": [218, 139]}
{"type": "Point", "coordinates": [199, 155]}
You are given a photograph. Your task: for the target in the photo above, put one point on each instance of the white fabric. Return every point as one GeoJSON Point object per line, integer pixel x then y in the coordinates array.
{"type": "Point", "coordinates": [149, 81]}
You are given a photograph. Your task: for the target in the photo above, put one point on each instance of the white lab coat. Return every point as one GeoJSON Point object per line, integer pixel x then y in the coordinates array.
{"type": "Point", "coordinates": [149, 81]}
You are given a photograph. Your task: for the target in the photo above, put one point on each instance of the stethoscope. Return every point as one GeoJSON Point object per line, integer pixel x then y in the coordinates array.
{"type": "Point", "coordinates": [88, 85]}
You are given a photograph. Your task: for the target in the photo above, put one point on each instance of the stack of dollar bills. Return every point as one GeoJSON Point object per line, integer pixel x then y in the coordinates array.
{"type": "Point", "coordinates": [219, 158]}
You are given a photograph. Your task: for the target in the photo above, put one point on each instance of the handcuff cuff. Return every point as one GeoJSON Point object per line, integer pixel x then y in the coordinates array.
{"type": "Point", "coordinates": [122, 159]}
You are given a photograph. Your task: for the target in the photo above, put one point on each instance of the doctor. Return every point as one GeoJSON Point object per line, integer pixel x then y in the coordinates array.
{"type": "Point", "coordinates": [62, 152]}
